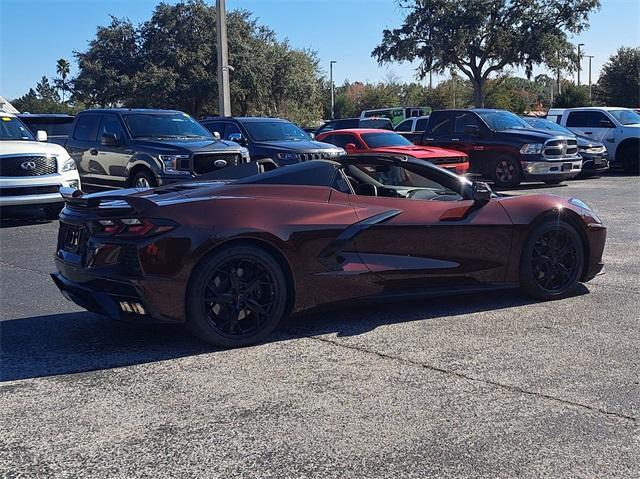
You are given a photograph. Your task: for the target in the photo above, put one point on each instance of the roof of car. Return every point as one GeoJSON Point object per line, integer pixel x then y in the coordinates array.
{"type": "Point", "coordinates": [44, 115]}
{"type": "Point", "coordinates": [243, 118]}
{"type": "Point", "coordinates": [131, 110]}
{"type": "Point", "coordinates": [358, 130]}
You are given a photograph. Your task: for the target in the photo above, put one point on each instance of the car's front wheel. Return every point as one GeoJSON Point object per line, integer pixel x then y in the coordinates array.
{"type": "Point", "coordinates": [552, 260]}
{"type": "Point", "coordinates": [507, 172]}
{"type": "Point", "coordinates": [237, 296]}
{"type": "Point", "coordinates": [143, 179]}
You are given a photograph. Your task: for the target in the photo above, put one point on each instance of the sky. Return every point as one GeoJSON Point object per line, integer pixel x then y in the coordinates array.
{"type": "Point", "coordinates": [34, 34]}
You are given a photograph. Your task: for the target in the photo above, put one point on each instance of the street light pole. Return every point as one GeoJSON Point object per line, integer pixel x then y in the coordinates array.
{"type": "Point", "coordinates": [224, 98]}
{"type": "Point", "coordinates": [589, 57]}
{"type": "Point", "coordinates": [331, 81]}
{"type": "Point", "coordinates": [579, 45]}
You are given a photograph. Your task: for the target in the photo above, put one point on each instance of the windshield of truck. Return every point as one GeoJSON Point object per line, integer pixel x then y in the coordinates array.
{"type": "Point", "coordinates": [502, 120]}
{"type": "Point", "coordinates": [13, 129]}
{"type": "Point", "coordinates": [626, 117]}
{"type": "Point", "coordinates": [165, 125]}
{"type": "Point", "coordinates": [274, 131]}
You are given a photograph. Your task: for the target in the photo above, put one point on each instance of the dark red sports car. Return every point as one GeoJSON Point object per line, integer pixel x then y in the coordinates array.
{"type": "Point", "coordinates": [231, 258]}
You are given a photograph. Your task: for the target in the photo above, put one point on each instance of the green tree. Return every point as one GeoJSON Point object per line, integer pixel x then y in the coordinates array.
{"type": "Point", "coordinates": [63, 68]}
{"type": "Point", "coordinates": [480, 37]}
{"type": "Point", "coordinates": [619, 82]}
{"type": "Point", "coordinates": [572, 96]}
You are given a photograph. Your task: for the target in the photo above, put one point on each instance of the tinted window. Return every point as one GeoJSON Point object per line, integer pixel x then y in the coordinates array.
{"type": "Point", "coordinates": [342, 140]}
{"type": "Point", "coordinates": [405, 125]}
{"type": "Point", "coordinates": [626, 117]}
{"type": "Point", "coordinates": [53, 127]}
{"type": "Point", "coordinates": [215, 126]}
{"type": "Point", "coordinates": [111, 126]}
{"type": "Point", "coordinates": [164, 125]}
{"type": "Point", "coordinates": [269, 130]}
{"type": "Point", "coordinates": [542, 124]}
{"type": "Point", "coordinates": [377, 140]}
{"type": "Point", "coordinates": [231, 128]}
{"type": "Point", "coordinates": [87, 127]}
{"type": "Point", "coordinates": [463, 119]}
{"type": "Point", "coordinates": [383, 123]}
{"type": "Point", "coordinates": [586, 119]}
{"type": "Point", "coordinates": [441, 124]}
{"type": "Point", "coordinates": [502, 120]}
{"type": "Point", "coordinates": [331, 125]}
{"type": "Point", "coordinates": [421, 124]}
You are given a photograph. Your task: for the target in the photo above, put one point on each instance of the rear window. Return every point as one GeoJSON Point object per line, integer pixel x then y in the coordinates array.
{"type": "Point", "coordinates": [384, 123]}
{"type": "Point", "coordinates": [87, 127]}
{"type": "Point", "coordinates": [52, 127]}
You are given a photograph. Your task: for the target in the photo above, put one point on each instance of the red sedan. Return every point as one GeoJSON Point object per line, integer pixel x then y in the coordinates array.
{"type": "Point", "coordinates": [369, 140]}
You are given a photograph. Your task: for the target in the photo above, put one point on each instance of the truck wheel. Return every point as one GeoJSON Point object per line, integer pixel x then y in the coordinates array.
{"type": "Point", "coordinates": [506, 172]}
{"type": "Point", "coordinates": [631, 159]}
{"type": "Point", "coordinates": [144, 179]}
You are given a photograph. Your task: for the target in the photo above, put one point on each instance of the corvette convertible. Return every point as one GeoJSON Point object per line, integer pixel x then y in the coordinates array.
{"type": "Point", "coordinates": [231, 256]}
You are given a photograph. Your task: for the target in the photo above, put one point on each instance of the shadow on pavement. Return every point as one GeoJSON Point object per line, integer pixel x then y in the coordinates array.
{"type": "Point", "coordinates": [10, 218]}
{"type": "Point", "coordinates": [77, 342]}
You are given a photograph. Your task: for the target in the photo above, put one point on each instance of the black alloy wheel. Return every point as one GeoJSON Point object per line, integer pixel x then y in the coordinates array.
{"type": "Point", "coordinates": [506, 172]}
{"type": "Point", "coordinates": [237, 297]}
{"type": "Point", "coordinates": [552, 260]}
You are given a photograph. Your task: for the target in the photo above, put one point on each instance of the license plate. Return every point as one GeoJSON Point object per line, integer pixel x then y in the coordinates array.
{"type": "Point", "coordinates": [567, 166]}
{"type": "Point", "coordinates": [71, 238]}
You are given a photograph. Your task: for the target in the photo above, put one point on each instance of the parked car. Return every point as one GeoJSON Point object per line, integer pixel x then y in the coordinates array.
{"type": "Point", "coordinates": [397, 114]}
{"type": "Point", "coordinates": [412, 128]}
{"type": "Point", "coordinates": [594, 154]}
{"type": "Point", "coordinates": [241, 255]}
{"type": "Point", "coordinates": [57, 125]}
{"type": "Point", "coordinates": [347, 123]}
{"type": "Point", "coordinates": [383, 141]}
{"type": "Point", "coordinates": [31, 170]}
{"type": "Point", "coordinates": [123, 147]}
{"type": "Point", "coordinates": [503, 147]}
{"type": "Point", "coordinates": [617, 128]}
{"type": "Point", "coordinates": [274, 138]}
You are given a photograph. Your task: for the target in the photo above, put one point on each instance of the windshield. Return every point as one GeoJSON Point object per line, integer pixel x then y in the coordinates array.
{"type": "Point", "coordinates": [379, 140]}
{"type": "Point", "coordinates": [626, 117]}
{"type": "Point", "coordinates": [542, 124]}
{"type": "Point", "coordinates": [163, 125]}
{"type": "Point", "coordinates": [502, 120]}
{"type": "Point", "coordinates": [274, 131]}
{"type": "Point", "coordinates": [12, 129]}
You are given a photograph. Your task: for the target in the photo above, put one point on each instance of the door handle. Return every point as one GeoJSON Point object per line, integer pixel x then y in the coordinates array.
{"type": "Point", "coordinates": [93, 152]}
{"type": "Point", "coordinates": [588, 133]}
{"type": "Point", "coordinates": [455, 139]}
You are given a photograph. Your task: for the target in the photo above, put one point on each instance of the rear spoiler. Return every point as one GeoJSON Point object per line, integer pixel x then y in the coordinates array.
{"type": "Point", "coordinates": [79, 199]}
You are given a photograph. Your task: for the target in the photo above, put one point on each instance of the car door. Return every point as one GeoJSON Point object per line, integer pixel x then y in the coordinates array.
{"type": "Point", "coordinates": [440, 131]}
{"type": "Point", "coordinates": [112, 157]}
{"type": "Point", "coordinates": [432, 243]}
{"type": "Point", "coordinates": [589, 123]}
{"type": "Point", "coordinates": [82, 146]}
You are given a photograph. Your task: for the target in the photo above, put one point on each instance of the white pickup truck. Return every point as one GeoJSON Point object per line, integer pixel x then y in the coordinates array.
{"type": "Point", "coordinates": [31, 171]}
{"type": "Point", "coordinates": [617, 128]}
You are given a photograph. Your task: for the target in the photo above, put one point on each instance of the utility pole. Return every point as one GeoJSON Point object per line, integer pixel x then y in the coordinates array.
{"type": "Point", "coordinates": [224, 99]}
{"type": "Point", "coordinates": [579, 45]}
{"type": "Point", "coordinates": [558, 75]}
{"type": "Point", "coordinates": [589, 57]}
{"type": "Point", "coordinates": [331, 81]}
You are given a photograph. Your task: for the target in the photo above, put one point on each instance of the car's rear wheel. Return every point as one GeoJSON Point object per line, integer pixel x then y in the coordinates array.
{"type": "Point", "coordinates": [143, 179]}
{"type": "Point", "coordinates": [237, 297]}
{"type": "Point", "coordinates": [552, 260]}
{"type": "Point", "coordinates": [506, 172]}
{"type": "Point", "coordinates": [52, 212]}
{"type": "Point", "coordinates": [631, 162]}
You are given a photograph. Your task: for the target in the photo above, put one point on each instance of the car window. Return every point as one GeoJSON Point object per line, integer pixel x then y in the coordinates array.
{"type": "Point", "coordinates": [13, 129]}
{"type": "Point", "coordinates": [215, 126]}
{"type": "Point", "coordinates": [421, 124]}
{"type": "Point", "coordinates": [405, 125]}
{"type": "Point", "coordinates": [343, 139]}
{"type": "Point", "coordinates": [230, 128]}
{"type": "Point", "coordinates": [329, 126]}
{"type": "Point", "coordinates": [382, 139]}
{"type": "Point", "coordinates": [111, 126]}
{"type": "Point", "coordinates": [585, 119]}
{"type": "Point", "coordinates": [87, 127]}
{"type": "Point", "coordinates": [462, 119]}
{"type": "Point", "coordinates": [626, 117]}
{"type": "Point", "coordinates": [274, 130]}
{"type": "Point", "coordinates": [441, 124]}
{"type": "Point", "coordinates": [53, 127]}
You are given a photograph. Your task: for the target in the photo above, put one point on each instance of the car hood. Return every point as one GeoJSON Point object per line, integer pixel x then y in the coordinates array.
{"type": "Point", "coordinates": [586, 142]}
{"type": "Point", "coordinates": [421, 152]}
{"type": "Point", "coordinates": [31, 147]}
{"type": "Point", "coordinates": [532, 135]}
{"type": "Point", "coordinates": [187, 145]}
{"type": "Point", "coordinates": [300, 146]}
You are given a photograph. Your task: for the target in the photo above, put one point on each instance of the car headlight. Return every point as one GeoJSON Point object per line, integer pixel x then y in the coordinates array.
{"type": "Point", "coordinates": [170, 163]}
{"type": "Point", "coordinates": [531, 149]}
{"type": "Point", "coordinates": [584, 206]}
{"type": "Point", "coordinates": [287, 156]}
{"type": "Point", "coordinates": [245, 155]}
{"type": "Point", "coordinates": [69, 165]}
{"type": "Point", "coordinates": [338, 152]}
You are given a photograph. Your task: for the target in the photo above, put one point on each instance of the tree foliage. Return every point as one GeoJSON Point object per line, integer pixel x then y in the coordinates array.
{"type": "Point", "coordinates": [480, 37]}
{"type": "Point", "coordinates": [619, 82]}
{"type": "Point", "coordinates": [572, 96]}
{"type": "Point", "coordinates": [43, 99]}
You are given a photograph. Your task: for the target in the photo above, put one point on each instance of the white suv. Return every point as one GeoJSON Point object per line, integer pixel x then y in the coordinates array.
{"type": "Point", "coordinates": [31, 171]}
{"type": "Point", "coordinates": [617, 128]}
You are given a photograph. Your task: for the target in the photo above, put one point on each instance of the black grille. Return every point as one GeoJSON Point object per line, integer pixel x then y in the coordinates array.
{"type": "Point", "coordinates": [29, 190]}
{"type": "Point", "coordinates": [72, 238]}
{"type": "Point", "coordinates": [455, 159]}
{"type": "Point", "coordinates": [312, 156]}
{"type": "Point", "coordinates": [27, 165]}
{"type": "Point", "coordinates": [128, 261]}
{"type": "Point", "coordinates": [206, 163]}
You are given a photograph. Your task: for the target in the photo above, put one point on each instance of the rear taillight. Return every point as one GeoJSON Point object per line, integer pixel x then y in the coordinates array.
{"type": "Point", "coordinates": [132, 227]}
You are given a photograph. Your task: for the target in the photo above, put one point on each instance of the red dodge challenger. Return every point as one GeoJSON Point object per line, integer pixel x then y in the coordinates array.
{"type": "Point", "coordinates": [369, 140]}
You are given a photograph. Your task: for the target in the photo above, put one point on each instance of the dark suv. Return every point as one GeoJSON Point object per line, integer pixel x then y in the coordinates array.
{"type": "Point", "coordinates": [57, 125]}
{"type": "Point", "coordinates": [143, 148]}
{"type": "Point", "coordinates": [503, 147]}
{"type": "Point", "coordinates": [349, 123]}
{"type": "Point", "coordinates": [274, 138]}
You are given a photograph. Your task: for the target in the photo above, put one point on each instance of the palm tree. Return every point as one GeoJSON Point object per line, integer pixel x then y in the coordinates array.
{"type": "Point", "coordinates": [63, 67]}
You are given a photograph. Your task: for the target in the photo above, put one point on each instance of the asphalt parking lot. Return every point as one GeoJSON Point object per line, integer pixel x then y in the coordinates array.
{"type": "Point", "coordinates": [492, 385]}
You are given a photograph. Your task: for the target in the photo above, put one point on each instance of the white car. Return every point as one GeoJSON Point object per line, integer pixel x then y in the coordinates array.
{"type": "Point", "coordinates": [617, 128]}
{"type": "Point", "coordinates": [31, 171]}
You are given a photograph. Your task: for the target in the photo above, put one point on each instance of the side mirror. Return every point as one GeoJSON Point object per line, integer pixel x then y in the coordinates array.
{"type": "Point", "coordinates": [216, 135]}
{"type": "Point", "coordinates": [366, 189]}
{"type": "Point", "coordinates": [312, 135]}
{"type": "Point", "coordinates": [350, 147]}
{"type": "Point", "coordinates": [41, 135]}
{"type": "Point", "coordinates": [606, 124]}
{"type": "Point", "coordinates": [237, 137]}
{"type": "Point", "coordinates": [109, 139]}
{"type": "Point", "coordinates": [472, 129]}
{"type": "Point", "coordinates": [481, 193]}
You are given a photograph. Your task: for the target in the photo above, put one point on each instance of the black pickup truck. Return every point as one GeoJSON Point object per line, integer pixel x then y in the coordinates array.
{"type": "Point", "coordinates": [503, 147]}
{"type": "Point", "coordinates": [121, 147]}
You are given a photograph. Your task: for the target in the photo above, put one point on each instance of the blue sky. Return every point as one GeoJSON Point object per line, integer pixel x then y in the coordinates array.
{"type": "Point", "coordinates": [35, 33]}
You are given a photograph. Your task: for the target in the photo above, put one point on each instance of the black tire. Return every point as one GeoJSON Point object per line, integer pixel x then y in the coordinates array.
{"type": "Point", "coordinates": [506, 172]}
{"type": "Point", "coordinates": [144, 179]}
{"type": "Point", "coordinates": [553, 182]}
{"type": "Point", "coordinates": [631, 160]}
{"type": "Point", "coordinates": [251, 290]}
{"type": "Point", "coordinates": [552, 260]}
{"type": "Point", "coordinates": [52, 212]}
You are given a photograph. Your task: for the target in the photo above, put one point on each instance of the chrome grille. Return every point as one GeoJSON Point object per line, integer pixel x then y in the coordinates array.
{"type": "Point", "coordinates": [313, 156]}
{"type": "Point", "coordinates": [560, 148]}
{"type": "Point", "coordinates": [208, 162]}
{"type": "Point", "coordinates": [28, 165]}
